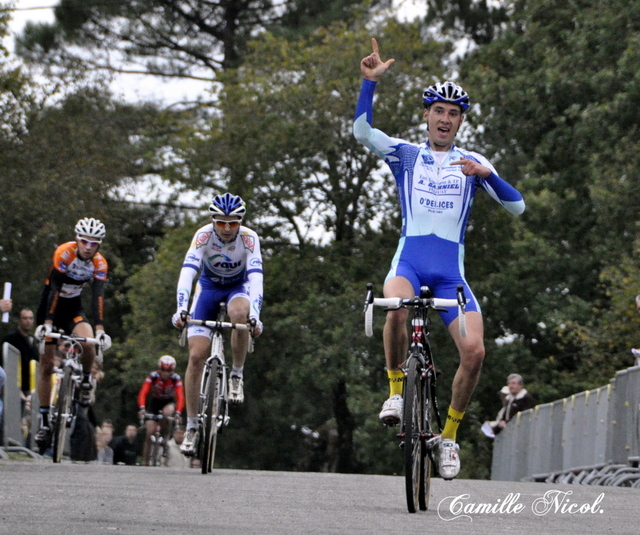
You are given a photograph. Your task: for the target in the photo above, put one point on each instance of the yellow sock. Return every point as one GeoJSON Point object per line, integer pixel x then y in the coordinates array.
{"type": "Point", "coordinates": [454, 418]}
{"type": "Point", "coordinates": [396, 378]}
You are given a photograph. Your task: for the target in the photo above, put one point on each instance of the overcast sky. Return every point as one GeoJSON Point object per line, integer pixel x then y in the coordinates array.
{"type": "Point", "coordinates": [136, 87]}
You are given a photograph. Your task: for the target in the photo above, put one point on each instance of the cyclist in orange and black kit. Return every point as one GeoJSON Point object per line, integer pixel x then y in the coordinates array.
{"type": "Point", "coordinates": [167, 398]}
{"type": "Point", "coordinates": [75, 263]}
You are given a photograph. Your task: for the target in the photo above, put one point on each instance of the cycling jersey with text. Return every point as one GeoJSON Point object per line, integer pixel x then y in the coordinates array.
{"type": "Point", "coordinates": [435, 199]}
{"type": "Point", "coordinates": [77, 272]}
{"type": "Point", "coordinates": [222, 265]}
{"type": "Point", "coordinates": [164, 390]}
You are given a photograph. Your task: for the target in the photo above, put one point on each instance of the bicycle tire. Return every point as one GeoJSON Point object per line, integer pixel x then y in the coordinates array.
{"type": "Point", "coordinates": [62, 415]}
{"type": "Point", "coordinates": [427, 457]}
{"type": "Point", "coordinates": [209, 420]}
{"type": "Point", "coordinates": [413, 421]}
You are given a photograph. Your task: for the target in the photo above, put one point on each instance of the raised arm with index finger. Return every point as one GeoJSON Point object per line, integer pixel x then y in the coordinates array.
{"type": "Point", "coordinates": [372, 67]}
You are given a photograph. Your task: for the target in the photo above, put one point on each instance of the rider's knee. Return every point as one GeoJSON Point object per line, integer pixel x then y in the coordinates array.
{"type": "Point", "coordinates": [472, 357]}
{"type": "Point", "coordinates": [397, 318]}
{"type": "Point", "coordinates": [238, 316]}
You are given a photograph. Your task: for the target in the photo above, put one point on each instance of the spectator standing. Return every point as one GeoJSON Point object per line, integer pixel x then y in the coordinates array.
{"type": "Point", "coordinates": [5, 306]}
{"type": "Point", "coordinates": [517, 400]}
{"type": "Point", "coordinates": [176, 459]}
{"type": "Point", "coordinates": [126, 448]}
{"type": "Point", "coordinates": [636, 352]}
{"type": "Point", "coordinates": [103, 439]}
{"type": "Point", "coordinates": [24, 342]}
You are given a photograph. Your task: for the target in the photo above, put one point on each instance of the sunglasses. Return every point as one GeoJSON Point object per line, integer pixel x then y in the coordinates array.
{"type": "Point", "coordinates": [222, 224]}
{"type": "Point", "coordinates": [89, 243]}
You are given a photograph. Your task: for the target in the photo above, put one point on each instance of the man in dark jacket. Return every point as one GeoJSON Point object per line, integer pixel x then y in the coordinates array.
{"type": "Point", "coordinates": [126, 448]}
{"type": "Point", "coordinates": [517, 400]}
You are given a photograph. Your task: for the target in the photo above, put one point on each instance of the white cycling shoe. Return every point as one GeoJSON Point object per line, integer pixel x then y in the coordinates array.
{"type": "Point", "coordinates": [236, 389]}
{"type": "Point", "coordinates": [448, 459]}
{"type": "Point", "coordinates": [391, 413]}
{"type": "Point", "coordinates": [190, 443]}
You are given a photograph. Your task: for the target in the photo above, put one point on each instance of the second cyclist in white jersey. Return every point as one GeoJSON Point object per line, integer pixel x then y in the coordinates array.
{"type": "Point", "coordinates": [227, 255]}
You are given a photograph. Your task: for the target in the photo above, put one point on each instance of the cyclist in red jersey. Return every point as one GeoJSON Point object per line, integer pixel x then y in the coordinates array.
{"type": "Point", "coordinates": [167, 398]}
{"type": "Point", "coordinates": [75, 263]}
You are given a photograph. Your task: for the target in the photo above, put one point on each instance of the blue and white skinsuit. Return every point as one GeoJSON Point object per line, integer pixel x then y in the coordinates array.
{"type": "Point", "coordinates": [229, 270]}
{"type": "Point", "coordinates": [435, 199]}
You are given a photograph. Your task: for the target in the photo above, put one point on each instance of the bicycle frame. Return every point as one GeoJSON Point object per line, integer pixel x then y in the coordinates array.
{"type": "Point", "coordinates": [64, 413]}
{"type": "Point", "coordinates": [158, 440]}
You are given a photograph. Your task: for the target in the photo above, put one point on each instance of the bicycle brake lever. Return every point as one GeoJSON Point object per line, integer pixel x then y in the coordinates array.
{"type": "Point", "coordinates": [369, 298]}
{"type": "Point", "coordinates": [462, 300]}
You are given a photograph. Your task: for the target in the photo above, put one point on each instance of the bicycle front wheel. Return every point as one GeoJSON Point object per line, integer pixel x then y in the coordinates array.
{"type": "Point", "coordinates": [63, 415]}
{"type": "Point", "coordinates": [413, 423]}
{"type": "Point", "coordinates": [427, 453]}
{"type": "Point", "coordinates": [209, 420]}
{"type": "Point", "coordinates": [155, 455]}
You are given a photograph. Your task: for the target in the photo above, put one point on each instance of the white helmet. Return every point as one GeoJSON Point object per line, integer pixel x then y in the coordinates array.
{"type": "Point", "coordinates": [91, 228]}
{"type": "Point", "coordinates": [167, 363]}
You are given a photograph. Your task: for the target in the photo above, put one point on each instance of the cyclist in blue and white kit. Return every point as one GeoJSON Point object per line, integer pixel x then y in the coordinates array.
{"type": "Point", "coordinates": [229, 256]}
{"type": "Point", "coordinates": [436, 182]}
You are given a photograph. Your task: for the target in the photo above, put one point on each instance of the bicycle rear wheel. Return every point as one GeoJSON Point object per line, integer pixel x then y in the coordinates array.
{"type": "Point", "coordinates": [63, 414]}
{"type": "Point", "coordinates": [209, 420]}
{"type": "Point", "coordinates": [413, 422]}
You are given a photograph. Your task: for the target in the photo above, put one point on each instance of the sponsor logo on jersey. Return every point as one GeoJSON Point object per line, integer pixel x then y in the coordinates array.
{"type": "Point", "coordinates": [223, 262]}
{"type": "Point", "coordinates": [202, 239]}
{"type": "Point", "coordinates": [249, 242]}
{"type": "Point", "coordinates": [448, 185]}
{"type": "Point", "coordinates": [427, 159]}
{"type": "Point", "coordinates": [434, 203]}
{"type": "Point", "coordinates": [193, 258]}
{"type": "Point", "coordinates": [255, 262]}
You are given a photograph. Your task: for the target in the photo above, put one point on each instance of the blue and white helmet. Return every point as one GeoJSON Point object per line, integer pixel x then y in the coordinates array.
{"type": "Point", "coordinates": [228, 204]}
{"type": "Point", "coordinates": [446, 92]}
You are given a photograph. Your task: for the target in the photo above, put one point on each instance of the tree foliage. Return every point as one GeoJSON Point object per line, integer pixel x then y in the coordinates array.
{"type": "Point", "coordinates": [170, 38]}
{"type": "Point", "coordinates": [302, 169]}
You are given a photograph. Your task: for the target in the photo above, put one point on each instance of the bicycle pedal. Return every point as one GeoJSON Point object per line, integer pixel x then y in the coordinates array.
{"type": "Point", "coordinates": [390, 422]}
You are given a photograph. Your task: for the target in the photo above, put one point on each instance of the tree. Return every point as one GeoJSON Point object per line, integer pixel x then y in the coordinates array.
{"type": "Point", "coordinates": [474, 19]}
{"type": "Point", "coordinates": [169, 38]}
{"type": "Point", "coordinates": [556, 88]}
{"type": "Point", "coordinates": [302, 169]}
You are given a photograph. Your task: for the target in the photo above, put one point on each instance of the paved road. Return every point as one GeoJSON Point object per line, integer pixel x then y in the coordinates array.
{"type": "Point", "coordinates": [43, 498]}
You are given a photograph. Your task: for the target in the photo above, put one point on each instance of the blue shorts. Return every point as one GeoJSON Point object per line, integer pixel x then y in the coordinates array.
{"type": "Point", "coordinates": [436, 263]}
{"type": "Point", "coordinates": [206, 303]}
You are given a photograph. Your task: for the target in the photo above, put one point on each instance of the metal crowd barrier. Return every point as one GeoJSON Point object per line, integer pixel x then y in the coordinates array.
{"type": "Point", "coordinates": [592, 437]}
{"type": "Point", "coordinates": [12, 437]}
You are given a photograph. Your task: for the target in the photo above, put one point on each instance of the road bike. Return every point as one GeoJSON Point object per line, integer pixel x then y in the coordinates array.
{"type": "Point", "coordinates": [64, 409]}
{"type": "Point", "coordinates": [159, 446]}
{"type": "Point", "coordinates": [420, 413]}
{"type": "Point", "coordinates": [213, 405]}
